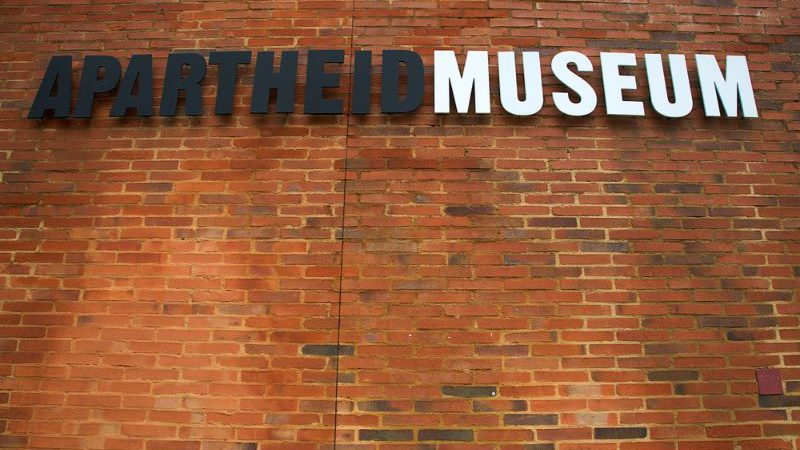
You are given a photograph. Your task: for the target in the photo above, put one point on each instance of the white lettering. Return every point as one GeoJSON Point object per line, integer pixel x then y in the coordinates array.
{"type": "Point", "coordinates": [532, 75]}
{"type": "Point", "coordinates": [588, 98]}
{"type": "Point", "coordinates": [446, 75]}
{"type": "Point", "coordinates": [614, 83]}
{"type": "Point", "coordinates": [658, 85]}
{"type": "Point", "coordinates": [731, 89]}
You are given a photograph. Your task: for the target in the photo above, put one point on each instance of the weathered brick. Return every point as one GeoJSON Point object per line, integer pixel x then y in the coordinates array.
{"type": "Point", "coordinates": [180, 282]}
{"type": "Point", "coordinates": [632, 44]}
{"type": "Point", "coordinates": [469, 391]}
{"type": "Point", "coordinates": [625, 188]}
{"type": "Point", "coordinates": [474, 210]}
{"type": "Point", "coordinates": [673, 375]}
{"type": "Point", "coordinates": [499, 405]}
{"type": "Point", "coordinates": [778, 401]}
{"type": "Point", "coordinates": [672, 36]}
{"type": "Point", "coordinates": [739, 335]}
{"type": "Point", "coordinates": [718, 3]}
{"type": "Point", "coordinates": [380, 405]}
{"type": "Point", "coordinates": [605, 247]}
{"type": "Point", "coordinates": [539, 447]}
{"type": "Point", "coordinates": [530, 419]}
{"type": "Point", "coordinates": [620, 433]}
{"type": "Point", "coordinates": [10, 441]}
{"type": "Point", "coordinates": [722, 322]}
{"type": "Point", "coordinates": [328, 349]}
{"type": "Point", "coordinates": [446, 435]}
{"type": "Point", "coordinates": [385, 435]}
{"type": "Point", "coordinates": [553, 222]}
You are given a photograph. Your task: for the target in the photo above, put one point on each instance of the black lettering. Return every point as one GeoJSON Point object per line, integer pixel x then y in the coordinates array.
{"type": "Point", "coordinates": [55, 90]}
{"type": "Point", "coordinates": [362, 82]}
{"type": "Point", "coordinates": [91, 83]}
{"type": "Point", "coordinates": [283, 82]}
{"type": "Point", "coordinates": [317, 79]}
{"type": "Point", "coordinates": [139, 72]}
{"type": "Point", "coordinates": [391, 102]}
{"type": "Point", "coordinates": [174, 83]}
{"type": "Point", "coordinates": [226, 86]}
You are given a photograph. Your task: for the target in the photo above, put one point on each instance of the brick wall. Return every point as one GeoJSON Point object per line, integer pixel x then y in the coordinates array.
{"type": "Point", "coordinates": [495, 282]}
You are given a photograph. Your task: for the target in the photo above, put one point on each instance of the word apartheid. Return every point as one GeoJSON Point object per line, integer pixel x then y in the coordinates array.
{"type": "Point", "coordinates": [402, 82]}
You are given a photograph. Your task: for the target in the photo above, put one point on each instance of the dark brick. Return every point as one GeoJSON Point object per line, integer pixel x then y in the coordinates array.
{"type": "Point", "coordinates": [188, 445]}
{"type": "Point", "coordinates": [717, 3]}
{"type": "Point", "coordinates": [470, 391]}
{"type": "Point", "coordinates": [624, 188]}
{"type": "Point", "coordinates": [426, 405]}
{"type": "Point", "coordinates": [620, 433]}
{"type": "Point", "coordinates": [253, 210]}
{"type": "Point", "coordinates": [689, 211]}
{"type": "Point", "coordinates": [350, 233]}
{"type": "Point", "coordinates": [22, 166]}
{"type": "Point", "coordinates": [605, 247]}
{"type": "Point", "coordinates": [385, 435]}
{"type": "Point", "coordinates": [83, 320]}
{"type": "Point", "coordinates": [502, 350]}
{"type": "Point", "coordinates": [778, 401]}
{"type": "Point", "coordinates": [530, 260]}
{"type": "Point", "coordinates": [347, 377]}
{"type": "Point", "coordinates": [597, 235]}
{"type": "Point", "coordinates": [629, 17]}
{"type": "Point", "coordinates": [378, 405]}
{"type": "Point", "coordinates": [539, 447]}
{"type": "Point", "coordinates": [148, 187]}
{"type": "Point", "coordinates": [521, 187]}
{"type": "Point", "coordinates": [475, 210]}
{"type": "Point", "coordinates": [258, 233]}
{"type": "Point", "coordinates": [740, 335]}
{"type": "Point", "coordinates": [771, 414]}
{"type": "Point", "coordinates": [248, 446]}
{"type": "Point", "coordinates": [418, 285]}
{"type": "Point", "coordinates": [328, 349]}
{"type": "Point", "coordinates": [667, 223]}
{"type": "Point", "coordinates": [631, 44]}
{"type": "Point", "coordinates": [679, 188]}
{"type": "Point", "coordinates": [530, 419]}
{"type": "Point", "coordinates": [722, 322]}
{"type": "Point", "coordinates": [687, 260]}
{"type": "Point", "coordinates": [457, 259]}
{"type": "Point", "coordinates": [790, 44]}
{"type": "Point", "coordinates": [447, 435]}
{"type": "Point", "coordinates": [681, 36]}
{"type": "Point", "coordinates": [553, 222]}
{"type": "Point", "coordinates": [764, 322]}
{"type": "Point", "coordinates": [749, 271]}
{"type": "Point", "coordinates": [672, 375]}
{"type": "Point", "coordinates": [781, 296]}
{"type": "Point", "coordinates": [671, 348]}
{"type": "Point", "coordinates": [793, 386]}
{"type": "Point", "coordinates": [13, 441]}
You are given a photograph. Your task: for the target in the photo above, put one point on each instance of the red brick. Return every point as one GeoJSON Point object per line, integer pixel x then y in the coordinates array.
{"type": "Point", "coordinates": [165, 271]}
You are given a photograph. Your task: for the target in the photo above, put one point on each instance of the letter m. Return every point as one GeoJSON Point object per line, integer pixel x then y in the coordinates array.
{"type": "Point", "coordinates": [731, 89]}
{"type": "Point", "coordinates": [446, 74]}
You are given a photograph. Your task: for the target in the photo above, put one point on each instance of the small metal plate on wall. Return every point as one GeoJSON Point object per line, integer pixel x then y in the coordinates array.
{"type": "Point", "coordinates": [769, 381]}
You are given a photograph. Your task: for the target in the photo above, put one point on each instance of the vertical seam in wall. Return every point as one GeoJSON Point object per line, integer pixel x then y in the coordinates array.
{"type": "Point", "coordinates": [342, 227]}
